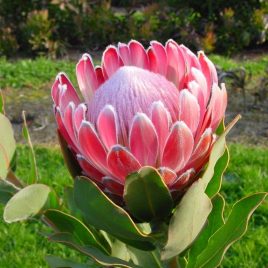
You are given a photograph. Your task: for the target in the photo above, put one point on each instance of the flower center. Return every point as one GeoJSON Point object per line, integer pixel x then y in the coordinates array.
{"type": "Point", "coordinates": [130, 90]}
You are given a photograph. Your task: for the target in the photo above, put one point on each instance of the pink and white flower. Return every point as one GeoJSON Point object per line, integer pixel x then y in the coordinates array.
{"type": "Point", "coordinates": [157, 107]}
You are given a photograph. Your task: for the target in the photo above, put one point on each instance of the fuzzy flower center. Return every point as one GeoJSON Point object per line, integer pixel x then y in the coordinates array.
{"type": "Point", "coordinates": [130, 90]}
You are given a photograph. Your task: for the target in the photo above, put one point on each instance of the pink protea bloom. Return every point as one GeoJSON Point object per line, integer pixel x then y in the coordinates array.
{"type": "Point", "coordinates": [157, 107]}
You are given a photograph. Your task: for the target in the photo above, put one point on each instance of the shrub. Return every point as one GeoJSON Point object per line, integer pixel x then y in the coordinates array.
{"type": "Point", "coordinates": [8, 42]}
{"type": "Point", "coordinates": [48, 26]}
{"type": "Point", "coordinates": [38, 30]}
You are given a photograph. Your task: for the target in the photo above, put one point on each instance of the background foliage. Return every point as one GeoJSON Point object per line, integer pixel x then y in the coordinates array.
{"type": "Point", "coordinates": [38, 27]}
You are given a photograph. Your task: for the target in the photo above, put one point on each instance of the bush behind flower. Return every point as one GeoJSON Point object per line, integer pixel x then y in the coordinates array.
{"type": "Point", "coordinates": [212, 27]}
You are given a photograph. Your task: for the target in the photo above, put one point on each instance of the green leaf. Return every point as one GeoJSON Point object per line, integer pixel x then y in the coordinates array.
{"type": "Point", "coordinates": [33, 174]}
{"type": "Point", "coordinates": [7, 190]}
{"type": "Point", "coordinates": [26, 203]}
{"type": "Point", "coordinates": [119, 250]}
{"type": "Point", "coordinates": [221, 127]}
{"type": "Point", "coordinates": [147, 196]}
{"type": "Point", "coordinates": [187, 221]}
{"type": "Point", "coordinates": [94, 253]}
{"type": "Point", "coordinates": [145, 259]}
{"type": "Point", "coordinates": [234, 228]}
{"type": "Point", "coordinates": [103, 214]}
{"type": "Point", "coordinates": [65, 223]}
{"type": "Point", "coordinates": [69, 158]}
{"type": "Point", "coordinates": [182, 262]}
{"type": "Point", "coordinates": [7, 145]}
{"type": "Point", "coordinates": [217, 151]}
{"type": "Point", "coordinates": [214, 185]}
{"type": "Point", "coordinates": [53, 201]}
{"type": "Point", "coordinates": [215, 221]}
{"type": "Point", "coordinates": [69, 200]}
{"type": "Point", "coordinates": [57, 262]}
{"type": "Point", "coordinates": [13, 163]}
{"type": "Point", "coordinates": [2, 103]}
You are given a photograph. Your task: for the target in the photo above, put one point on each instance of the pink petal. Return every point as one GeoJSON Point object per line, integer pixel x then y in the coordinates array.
{"type": "Point", "coordinates": [90, 171]}
{"type": "Point", "coordinates": [208, 69]}
{"type": "Point", "coordinates": [179, 147]}
{"type": "Point", "coordinates": [202, 147]}
{"type": "Point", "coordinates": [121, 162]}
{"type": "Point", "coordinates": [161, 57]}
{"type": "Point", "coordinates": [168, 175]}
{"type": "Point", "coordinates": [191, 59]}
{"type": "Point", "coordinates": [79, 116]}
{"type": "Point", "coordinates": [152, 60]}
{"type": "Point", "coordinates": [111, 61]}
{"type": "Point", "coordinates": [104, 73]}
{"type": "Point", "coordinates": [138, 54]}
{"type": "Point", "coordinates": [63, 131]}
{"type": "Point", "coordinates": [199, 163]}
{"type": "Point", "coordinates": [67, 92]}
{"type": "Point", "coordinates": [162, 120]}
{"type": "Point", "coordinates": [107, 126]}
{"type": "Point", "coordinates": [176, 64]}
{"type": "Point", "coordinates": [197, 91]}
{"type": "Point", "coordinates": [55, 91]}
{"type": "Point", "coordinates": [86, 77]}
{"type": "Point", "coordinates": [182, 180]}
{"type": "Point", "coordinates": [99, 75]}
{"type": "Point", "coordinates": [205, 123]}
{"type": "Point", "coordinates": [124, 53]}
{"type": "Point", "coordinates": [91, 145]}
{"type": "Point", "coordinates": [198, 76]}
{"type": "Point", "coordinates": [189, 110]}
{"type": "Point", "coordinates": [218, 105]}
{"type": "Point", "coordinates": [143, 140]}
{"type": "Point", "coordinates": [113, 186]}
{"type": "Point", "coordinates": [68, 120]}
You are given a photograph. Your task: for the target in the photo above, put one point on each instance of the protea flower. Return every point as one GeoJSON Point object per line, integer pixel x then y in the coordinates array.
{"type": "Point", "coordinates": [157, 107]}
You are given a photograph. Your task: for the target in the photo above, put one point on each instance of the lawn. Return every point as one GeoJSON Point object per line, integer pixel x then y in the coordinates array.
{"type": "Point", "coordinates": [23, 245]}
{"type": "Point", "coordinates": [35, 73]}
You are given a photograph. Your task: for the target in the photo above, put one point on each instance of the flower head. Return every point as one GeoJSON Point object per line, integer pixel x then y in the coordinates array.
{"type": "Point", "coordinates": [157, 107]}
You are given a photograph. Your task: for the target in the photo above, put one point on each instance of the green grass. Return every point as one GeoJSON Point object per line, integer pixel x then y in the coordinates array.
{"type": "Point", "coordinates": [23, 245]}
{"type": "Point", "coordinates": [33, 74]}
{"type": "Point", "coordinates": [256, 66]}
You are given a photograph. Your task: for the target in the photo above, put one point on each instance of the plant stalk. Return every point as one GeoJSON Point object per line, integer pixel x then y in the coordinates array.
{"type": "Point", "coordinates": [174, 263]}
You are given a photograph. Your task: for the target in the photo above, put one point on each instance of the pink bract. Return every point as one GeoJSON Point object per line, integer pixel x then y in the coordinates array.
{"type": "Point", "coordinates": [157, 107]}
